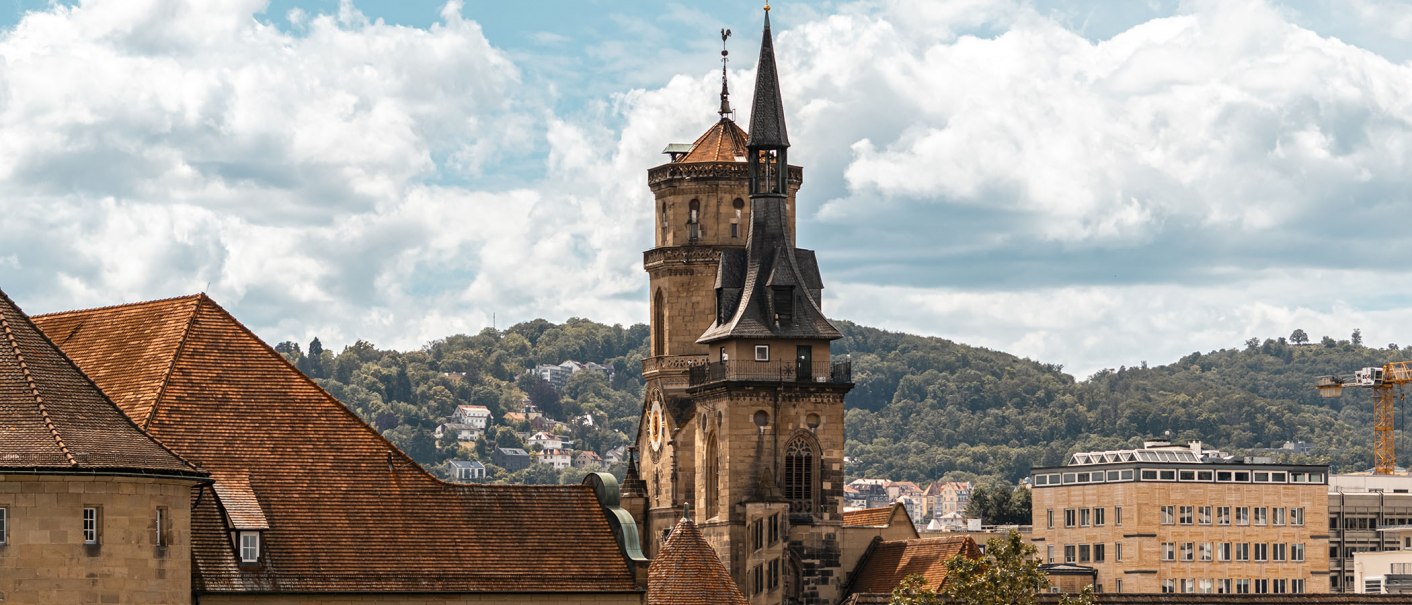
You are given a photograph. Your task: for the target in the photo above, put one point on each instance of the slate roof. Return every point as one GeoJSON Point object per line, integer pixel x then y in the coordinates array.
{"type": "Point", "coordinates": [767, 112]}
{"type": "Point", "coordinates": [53, 418]}
{"type": "Point", "coordinates": [746, 278]}
{"type": "Point", "coordinates": [723, 142]}
{"type": "Point", "coordinates": [347, 511]}
{"type": "Point", "coordinates": [886, 563]}
{"type": "Point", "coordinates": [687, 572]}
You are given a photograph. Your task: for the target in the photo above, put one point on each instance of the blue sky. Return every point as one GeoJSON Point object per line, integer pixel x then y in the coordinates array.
{"type": "Point", "coordinates": [1087, 183]}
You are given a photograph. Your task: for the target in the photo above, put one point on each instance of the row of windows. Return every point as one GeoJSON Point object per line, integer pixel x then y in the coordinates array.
{"type": "Point", "coordinates": [1085, 517]}
{"type": "Point", "coordinates": [92, 525]}
{"type": "Point", "coordinates": [1353, 522]}
{"type": "Point", "coordinates": [1233, 551]}
{"type": "Point", "coordinates": [765, 577]}
{"type": "Point", "coordinates": [1087, 553]}
{"type": "Point", "coordinates": [1234, 586]}
{"type": "Point", "coordinates": [765, 532]}
{"type": "Point", "coordinates": [1171, 474]}
{"type": "Point", "coordinates": [1242, 515]}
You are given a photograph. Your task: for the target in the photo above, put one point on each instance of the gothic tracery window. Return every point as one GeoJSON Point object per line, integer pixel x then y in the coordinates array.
{"type": "Point", "coordinates": [713, 477]}
{"type": "Point", "coordinates": [800, 475]}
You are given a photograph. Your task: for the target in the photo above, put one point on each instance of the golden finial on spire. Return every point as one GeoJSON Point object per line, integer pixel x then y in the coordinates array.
{"type": "Point", "coordinates": [767, 6]}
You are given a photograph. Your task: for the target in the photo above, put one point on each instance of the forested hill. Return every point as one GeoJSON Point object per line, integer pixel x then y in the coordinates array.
{"type": "Point", "coordinates": [923, 408]}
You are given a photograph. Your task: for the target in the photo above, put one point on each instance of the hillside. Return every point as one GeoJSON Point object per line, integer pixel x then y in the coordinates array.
{"type": "Point", "coordinates": [923, 408]}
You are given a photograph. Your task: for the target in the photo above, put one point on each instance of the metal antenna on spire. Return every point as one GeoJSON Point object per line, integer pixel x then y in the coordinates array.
{"type": "Point", "coordinates": [725, 112]}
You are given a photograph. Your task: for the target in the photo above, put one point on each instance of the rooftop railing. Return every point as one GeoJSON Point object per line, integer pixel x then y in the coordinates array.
{"type": "Point", "coordinates": [821, 372]}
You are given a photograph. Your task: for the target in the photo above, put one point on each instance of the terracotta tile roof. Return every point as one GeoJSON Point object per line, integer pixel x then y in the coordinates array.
{"type": "Point", "coordinates": [687, 572]}
{"type": "Point", "coordinates": [242, 507]}
{"type": "Point", "coordinates": [871, 517]}
{"type": "Point", "coordinates": [53, 417]}
{"type": "Point", "coordinates": [723, 142]}
{"type": "Point", "coordinates": [886, 563]}
{"type": "Point", "coordinates": [347, 511]}
{"type": "Point", "coordinates": [1113, 598]}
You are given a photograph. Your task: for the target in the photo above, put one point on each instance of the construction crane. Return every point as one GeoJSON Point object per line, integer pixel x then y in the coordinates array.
{"type": "Point", "coordinates": [1387, 383]}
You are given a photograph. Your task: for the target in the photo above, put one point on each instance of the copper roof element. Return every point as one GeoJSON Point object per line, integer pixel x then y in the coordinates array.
{"type": "Point", "coordinates": [347, 511]}
{"type": "Point", "coordinates": [886, 563]}
{"type": "Point", "coordinates": [687, 572]}
{"type": "Point", "coordinates": [723, 142]}
{"type": "Point", "coordinates": [53, 419]}
{"type": "Point", "coordinates": [767, 112]}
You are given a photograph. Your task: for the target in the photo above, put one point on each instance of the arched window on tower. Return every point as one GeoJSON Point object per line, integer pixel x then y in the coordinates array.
{"type": "Point", "coordinates": [801, 475]}
{"type": "Point", "coordinates": [713, 477]}
{"type": "Point", "coordinates": [659, 325]}
{"type": "Point", "coordinates": [693, 220]}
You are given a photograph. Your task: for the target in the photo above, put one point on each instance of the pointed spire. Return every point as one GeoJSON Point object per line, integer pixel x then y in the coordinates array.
{"type": "Point", "coordinates": [767, 115]}
{"type": "Point", "coordinates": [726, 110]}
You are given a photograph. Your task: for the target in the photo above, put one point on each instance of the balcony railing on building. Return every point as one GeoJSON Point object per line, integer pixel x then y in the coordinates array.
{"type": "Point", "coordinates": [824, 372]}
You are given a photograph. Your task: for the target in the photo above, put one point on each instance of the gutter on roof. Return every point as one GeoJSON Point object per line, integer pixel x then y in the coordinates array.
{"type": "Point", "coordinates": [201, 477]}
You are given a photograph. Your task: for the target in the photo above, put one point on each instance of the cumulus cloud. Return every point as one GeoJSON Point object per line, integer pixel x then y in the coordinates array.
{"type": "Point", "coordinates": [982, 170]}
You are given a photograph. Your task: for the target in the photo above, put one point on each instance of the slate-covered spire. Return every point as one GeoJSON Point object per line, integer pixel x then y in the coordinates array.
{"type": "Point", "coordinates": [767, 130]}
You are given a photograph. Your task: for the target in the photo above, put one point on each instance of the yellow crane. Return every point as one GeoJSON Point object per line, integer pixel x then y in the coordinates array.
{"type": "Point", "coordinates": [1386, 383]}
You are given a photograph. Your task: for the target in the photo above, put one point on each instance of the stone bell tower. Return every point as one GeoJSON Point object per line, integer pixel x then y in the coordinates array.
{"type": "Point", "coordinates": [743, 418]}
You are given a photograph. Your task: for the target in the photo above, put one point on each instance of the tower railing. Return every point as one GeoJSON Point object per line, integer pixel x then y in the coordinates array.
{"type": "Point", "coordinates": [819, 372]}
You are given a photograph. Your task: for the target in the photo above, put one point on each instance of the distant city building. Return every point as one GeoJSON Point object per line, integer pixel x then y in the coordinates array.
{"type": "Point", "coordinates": [477, 416]}
{"type": "Point", "coordinates": [1362, 507]}
{"type": "Point", "coordinates": [1184, 519]}
{"type": "Point", "coordinates": [467, 470]}
{"type": "Point", "coordinates": [558, 375]}
{"type": "Point", "coordinates": [1389, 571]}
{"type": "Point", "coordinates": [510, 458]}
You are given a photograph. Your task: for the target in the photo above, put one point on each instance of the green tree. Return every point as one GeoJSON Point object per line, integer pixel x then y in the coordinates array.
{"type": "Point", "coordinates": [1008, 574]}
{"type": "Point", "coordinates": [1299, 337]}
{"type": "Point", "coordinates": [1357, 338]}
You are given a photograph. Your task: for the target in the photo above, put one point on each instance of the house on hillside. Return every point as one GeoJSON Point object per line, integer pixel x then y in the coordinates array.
{"type": "Point", "coordinates": [467, 470]}
{"type": "Point", "coordinates": [557, 458]}
{"type": "Point", "coordinates": [477, 416]}
{"type": "Point", "coordinates": [587, 458]}
{"type": "Point", "coordinates": [510, 458]}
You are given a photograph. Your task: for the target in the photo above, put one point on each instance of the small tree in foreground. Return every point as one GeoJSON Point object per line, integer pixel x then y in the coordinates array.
{"type": "Point", "coordinates": [1008, 574]}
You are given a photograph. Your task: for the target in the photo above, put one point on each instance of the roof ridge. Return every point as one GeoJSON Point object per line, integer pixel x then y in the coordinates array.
{"type": "Point", "coordinates": [34, 388]}
{"type": "Point", "coordinates": [140, 303]}
{"type": "Point", "coordinates": [203, 299]}
{"type": "Point", "coordinates": [171, 367]}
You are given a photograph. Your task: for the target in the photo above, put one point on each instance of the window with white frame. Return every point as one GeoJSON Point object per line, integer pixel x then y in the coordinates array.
{"type": "Point", "coordinates": [1223, 515]}
{"type": "Point", "coordinates": [90, 525]}
{"type": "Point", "coordinates": [1296, 516]}
{"type": "Point", "coordinates": [249, 547]}
{"type": "Point", "coordinates": [1296, 552]}
{"type": "Point", "coordinates": [762, 352]}
{"type": "Point", "coordinates": [160, 535]}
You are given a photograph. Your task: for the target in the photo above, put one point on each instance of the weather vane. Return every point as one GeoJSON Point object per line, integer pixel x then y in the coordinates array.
{"type": "Point", "coordinates": [725, 88]}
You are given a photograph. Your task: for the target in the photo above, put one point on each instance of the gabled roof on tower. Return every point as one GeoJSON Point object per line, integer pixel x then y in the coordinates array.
{"type": "Point", "coordinates": [347, 511]}
{"type": "Point", "coordinates": [687, 572]}
{"type": "Point", "coordinates": [767, 127]}
{"type": "Point", "coordinates": [52, 418]}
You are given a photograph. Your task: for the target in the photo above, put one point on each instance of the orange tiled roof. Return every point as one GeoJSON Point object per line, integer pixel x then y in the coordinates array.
{"type": "Point", "coordinates": [887, 562]}
{"type": "Point", "coordinates": [871, 517]}
{"type": "Point", "coordinates": [687, 572]}
{"type": "Point", "coordinates": [347, 511]}
{"type": "Point", "coordinates": [723, 142]}
{"type": "Point", "coordinates": [53, 418]}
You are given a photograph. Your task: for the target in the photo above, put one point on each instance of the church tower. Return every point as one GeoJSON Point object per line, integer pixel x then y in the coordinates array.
{"type": "Point", "coordinates": [742, 426]}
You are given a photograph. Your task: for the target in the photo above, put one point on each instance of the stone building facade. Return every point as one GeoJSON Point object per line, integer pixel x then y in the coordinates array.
{"type": "Point", "coordinates": [742, 424]}
{"type": "Point", "coordinates": [1179, 519]}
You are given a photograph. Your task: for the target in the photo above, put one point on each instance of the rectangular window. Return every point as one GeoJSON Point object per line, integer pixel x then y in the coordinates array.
{"type": "Point", "coordinates": [1242, 515]}
{"type": "Point", "coordinates": [4, 525]}
{"type": "Point", "coordinates": [1049, 554]}
{"type": "Point", "coordinates": [1277, 551]}
{"type": "Point", "coordinates": [774, 575]}
{"type": "Point", "coordinates": [735, 230]}
{"type": "Point", "coordinates": [1262, 552]}
{"type": "Point", "coordinates": [1070, 517]}
{"type": "Point", "coordinates": [1188, 585]}
{"type": "Point", "coordinates": [1296, 585]}
{"type": "Point", "coordinates": [757, 579]}
{"type": "Point", "coordinates": [1205, 586]}
{"type": "Point", "coordinates": [160, 538]}
{"type": "Point", "coordinates": [1242, 551]}
{"type": "Point", "coordinates": [1188, 551]}
{"type": "Point", "coordinates": [1118, 516]}
{"type": "Point", "coordinates": [1296, 552]}
{"type": "Point", "coordinates": [1277, 516]}
{"type": "Point", "coordinates": [1206, 551]}
{"type": "Point", "coordinates": [1098, 517]}
{"type": "Point", "coordinates": [1242, 586]}
{"type": "Point", "coordinates": [90, 525]}
{"type": "Point", "coordinates": [1069, 553]}
{"type": "Point", "coordinates": [1084, 553]}
{"type": "Point", "coordinates": [1049, 517]}
{"type": "Point", "coordinates": [1117, 551]}
{"type": "Point", "coordinates": [1167, 475]}
{"type": "Point", "coordinates": [1084, 515]}
{"type": "Point", "coordinates": [1223, 515]}
{"type": "Point", "coordinates": [1186, 515]}
{"type": "Point", "coordinates": [250, 547]}
{"type": "Point", "coordinates": [1169, 551]}
{"type": "Point", "coordinates": [1262, 586]}
{"type": "Point", "coordinates": [1242, 477]}
{"type": "Point", "coordinates": [1261, 516]}
{"type": "Point", "coordinates": [1169, 515]}
{"type": "Point", "coordinates": [1169, 585]}
{"type": "Point", "coordinates": [1296, 516]}
{"type": "Point", "coordinates": [1203, 515]}
{"type": "Point", "coordinates": [1223, 586]}
{"type": "Point", "coordinates": [1098, 553]}
{"type": "Point", "coordinates": [762, 352]}
{"type": "Point", "coordinates": [1149, 474]}
{"type": "Point", "coordinates": [1223, 551]}
{"type": "Point", "coordinates": [1118, 585]}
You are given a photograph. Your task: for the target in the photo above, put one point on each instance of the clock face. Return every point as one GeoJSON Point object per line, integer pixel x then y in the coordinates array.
{"type": "Point", "coordinates": [656, 426]}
